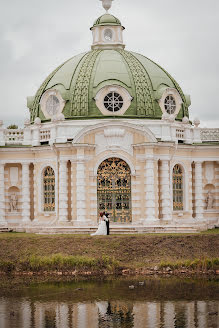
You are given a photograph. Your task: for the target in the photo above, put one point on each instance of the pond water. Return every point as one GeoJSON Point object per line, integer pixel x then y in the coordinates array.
{"type": "Point", "coordinates": [124, 303]}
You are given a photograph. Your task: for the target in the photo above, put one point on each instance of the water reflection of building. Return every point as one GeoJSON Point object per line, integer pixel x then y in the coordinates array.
{"type": "Point", "coordinates": [184, 314]}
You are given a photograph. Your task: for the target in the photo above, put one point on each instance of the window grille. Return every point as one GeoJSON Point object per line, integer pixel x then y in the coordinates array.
{"type": "Point", "coordinates": [170, 104]}
{"type": "Point", "coordinates": [49, 189]}
{"type": "Point", "coordinates": [113, 101]}
{"type": "Point", "coordinates": [177, 188]}
{"type": "Point", "coordinates": [52, 105]}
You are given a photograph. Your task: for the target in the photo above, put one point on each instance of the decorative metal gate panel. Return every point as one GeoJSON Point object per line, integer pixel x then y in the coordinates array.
{"type": "Point", "coordinates": [114, 189]}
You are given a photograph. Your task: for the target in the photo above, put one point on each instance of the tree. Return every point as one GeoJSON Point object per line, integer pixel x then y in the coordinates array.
{"type": "Point", "coordinates": [12, 126]}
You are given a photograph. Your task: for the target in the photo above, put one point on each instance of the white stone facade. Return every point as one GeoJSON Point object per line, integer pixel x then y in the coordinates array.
{"type": "Point", "coordinates": [75, 163]}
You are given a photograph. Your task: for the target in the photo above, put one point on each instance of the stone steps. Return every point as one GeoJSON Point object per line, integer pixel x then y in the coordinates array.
{"type": "Point", "coordinates": [113, 229]}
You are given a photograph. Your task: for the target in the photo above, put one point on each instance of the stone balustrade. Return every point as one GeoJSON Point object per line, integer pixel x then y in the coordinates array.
{"type": "Point", "coordinates": [50, 133]}
{"type": "Point", "coordinates": [210, 134]}
{"type": "Point", "coordinates": [13, 136]}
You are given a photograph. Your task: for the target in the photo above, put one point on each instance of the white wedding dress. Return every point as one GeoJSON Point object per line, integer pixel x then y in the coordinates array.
{"type": "Point", "coordinates": [102, 229]}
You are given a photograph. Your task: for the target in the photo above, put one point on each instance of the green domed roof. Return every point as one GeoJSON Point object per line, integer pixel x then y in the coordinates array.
{"type": "Point", "coordinates": [107, 19]}
{"type": "Point", "coordinates": [80, 78]}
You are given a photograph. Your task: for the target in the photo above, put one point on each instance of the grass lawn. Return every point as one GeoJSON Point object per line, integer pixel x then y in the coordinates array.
{"type": "Point", "coordinates": [18, 250]}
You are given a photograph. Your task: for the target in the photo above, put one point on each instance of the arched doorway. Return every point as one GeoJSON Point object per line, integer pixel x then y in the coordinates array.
{"type": "Point", "coordinates": [114, 189]}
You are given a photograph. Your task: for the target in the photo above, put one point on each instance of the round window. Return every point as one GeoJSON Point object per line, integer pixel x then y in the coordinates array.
{"type": "Point", "coordinates": [170, 104]}
{"type": "Point", "coordinates": [52, 105]}
{"type": "Point", "coordinates": [108, 34]}
{"type": "Point", "coordinates": [113, 101]}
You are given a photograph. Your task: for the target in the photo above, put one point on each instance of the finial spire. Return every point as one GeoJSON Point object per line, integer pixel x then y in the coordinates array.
{"type": "Point", "coordinates": [106, 4]}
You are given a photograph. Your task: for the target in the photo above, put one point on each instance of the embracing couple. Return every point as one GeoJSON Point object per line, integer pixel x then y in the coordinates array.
{"type": "Point", "coordinates": [103, 227]}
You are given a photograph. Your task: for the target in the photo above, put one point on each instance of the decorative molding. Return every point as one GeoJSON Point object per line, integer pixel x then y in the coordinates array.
{"type": "Point", "coordinates": [80, 93]}
{"type": "Point", "coordinates": [142, 129]}
{"type": "Point", "coordinates": [114, 139]}
{"type": "Point", "coordinates": [144, 91]}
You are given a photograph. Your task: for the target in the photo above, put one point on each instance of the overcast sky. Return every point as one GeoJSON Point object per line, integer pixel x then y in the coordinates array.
{"type": "Point", "coordinates": [181, 36]}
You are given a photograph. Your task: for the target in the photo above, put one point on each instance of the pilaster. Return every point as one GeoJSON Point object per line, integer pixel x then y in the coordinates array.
{"type": "Point", "coordinates": [25, 193]}
{"type": "Point", "coordinates": [166, 202]}
{"type": "Point", "coordinates": [80, 186]}
{"type": "Point", "coordinates": [150, 189]}
{"type": "Point", "coordinates": [63, 191]}
{"type": "Point", "coordinates": [199, 204]}
{"type": "Point", "coordinates": [2, 194]}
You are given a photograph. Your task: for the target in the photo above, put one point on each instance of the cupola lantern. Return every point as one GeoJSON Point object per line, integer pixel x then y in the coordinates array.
{"type": "Point", "coordinates": [107, 30]}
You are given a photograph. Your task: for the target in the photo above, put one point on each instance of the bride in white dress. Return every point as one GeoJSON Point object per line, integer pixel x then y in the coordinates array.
{"type": "Point", "coordinates": [102, 229]}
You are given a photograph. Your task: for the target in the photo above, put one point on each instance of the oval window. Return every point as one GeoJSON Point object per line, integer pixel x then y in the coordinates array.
{"type": "Point", "coordinates": [170, 104]}
{"type": "Point", "coordinates": [52, 105]}
{"type": "Point", "coordinates": [113, 101]}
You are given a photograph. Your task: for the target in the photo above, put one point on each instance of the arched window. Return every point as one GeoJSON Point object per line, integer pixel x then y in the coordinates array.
{"type": "Point", "coordinates": [177, 188]}
{"type": "Point", "coordinates": [49, 189]}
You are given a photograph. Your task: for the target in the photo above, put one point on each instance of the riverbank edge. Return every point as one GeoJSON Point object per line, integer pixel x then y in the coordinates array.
{"type": "Point", "coordinates": [119, 272]}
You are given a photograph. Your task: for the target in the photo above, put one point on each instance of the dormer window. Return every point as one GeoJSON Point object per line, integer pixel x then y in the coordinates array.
{"type": "Point", "coordinates": [113, 100]}
{"type": "Point", "coordinates": [52, 103]}
{"type": "Point", "coordinates": [170, 104]}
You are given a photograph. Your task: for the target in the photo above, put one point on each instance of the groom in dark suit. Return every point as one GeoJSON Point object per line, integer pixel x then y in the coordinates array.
{"type": "Point", "coordinates": [107, 223]}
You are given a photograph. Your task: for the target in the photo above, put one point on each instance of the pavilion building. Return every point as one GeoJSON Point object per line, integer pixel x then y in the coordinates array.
{"type": "Point", "coordinates": [109, 130]}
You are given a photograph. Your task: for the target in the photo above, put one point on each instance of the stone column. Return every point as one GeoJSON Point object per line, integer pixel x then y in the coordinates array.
{"type": "Point", "coordinates": [80, 186]}
{"type": "Point", "coordinates": [63, 191]}
{"type": "Point", "coordinates": [166, 201]}
{"type": "Point", "coordinates": [199, 205]}
{"type": "Point", "coordinates": [150, 189]}
{"type": "Point", "coordinates": [2, 194]}
{"type": "Point", "coordinates": [25, 193]}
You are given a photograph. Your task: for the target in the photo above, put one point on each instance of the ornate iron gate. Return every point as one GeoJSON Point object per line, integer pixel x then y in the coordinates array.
{"type": "Point", "coordinates": [114, 189]}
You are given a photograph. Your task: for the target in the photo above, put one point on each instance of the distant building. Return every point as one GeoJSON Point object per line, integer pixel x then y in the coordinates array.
{"type": "Point", "coordinates": [109, 130]}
